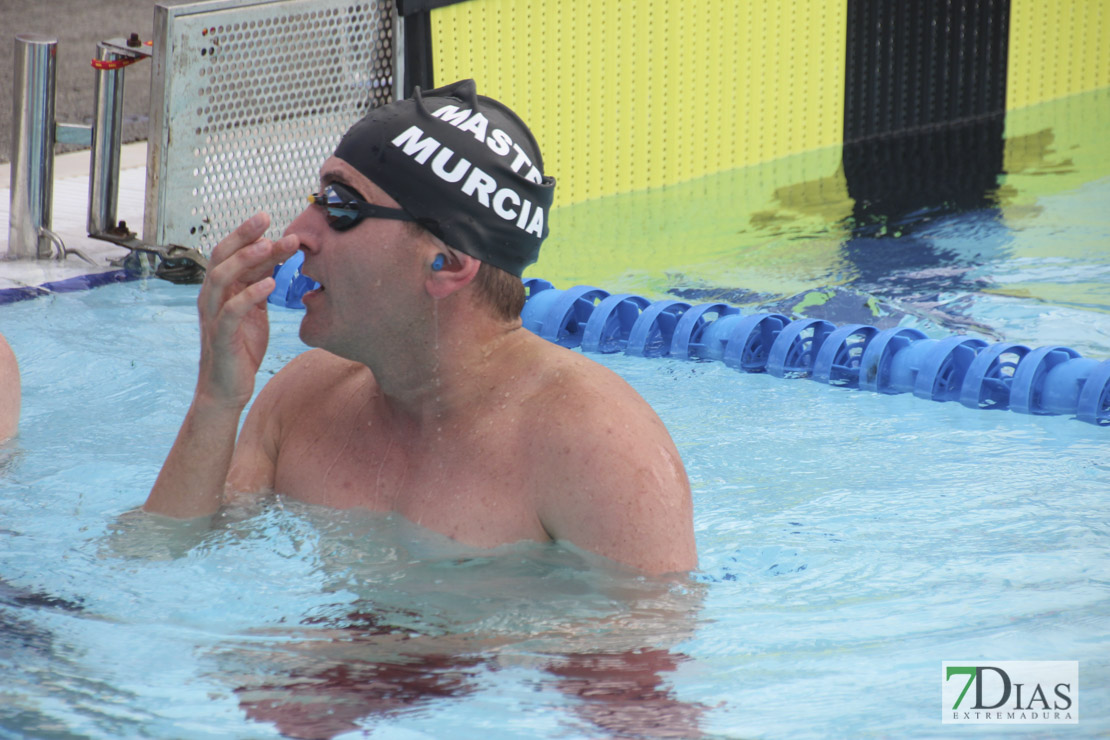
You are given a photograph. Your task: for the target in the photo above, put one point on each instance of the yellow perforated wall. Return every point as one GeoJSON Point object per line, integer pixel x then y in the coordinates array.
{"type": "Point", "coordinates": [633, 94]}
{"type": "Point", "coordinates": [699, 134]}
{"type": "Point", "coordinates": [1057, 48]}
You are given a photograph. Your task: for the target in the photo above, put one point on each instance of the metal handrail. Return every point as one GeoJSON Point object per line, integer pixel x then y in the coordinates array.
{"type": "Point", "coordinates": [35, 132]}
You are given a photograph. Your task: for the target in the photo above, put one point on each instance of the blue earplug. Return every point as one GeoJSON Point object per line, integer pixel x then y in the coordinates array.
{"type": "Point", "coordinates": [437, 265]}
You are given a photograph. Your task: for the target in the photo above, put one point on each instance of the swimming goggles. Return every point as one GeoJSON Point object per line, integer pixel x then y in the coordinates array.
{"type": "Point", "coordinates": [345, 209]}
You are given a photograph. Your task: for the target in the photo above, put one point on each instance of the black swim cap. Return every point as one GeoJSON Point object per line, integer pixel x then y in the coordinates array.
{"type": "Point", "coordinates": [464, 165]}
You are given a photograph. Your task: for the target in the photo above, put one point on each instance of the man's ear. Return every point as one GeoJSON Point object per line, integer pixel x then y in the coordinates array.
{"type": "Point", "coordinates": [456, 271]}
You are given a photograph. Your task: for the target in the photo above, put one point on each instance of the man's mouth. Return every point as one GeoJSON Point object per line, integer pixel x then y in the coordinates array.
{"type": "Point", "coordinates": [316, 286]}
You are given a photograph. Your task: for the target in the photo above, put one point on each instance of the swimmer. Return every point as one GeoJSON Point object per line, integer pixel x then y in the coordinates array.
{"type": "Point", "coordinates": [10, 392]}
{"type": "Point", "coordinates": [425, 396]}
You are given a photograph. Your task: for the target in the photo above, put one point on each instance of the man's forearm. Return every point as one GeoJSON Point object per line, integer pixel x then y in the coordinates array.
{"type": "Point", "coordinates": [194, 475]}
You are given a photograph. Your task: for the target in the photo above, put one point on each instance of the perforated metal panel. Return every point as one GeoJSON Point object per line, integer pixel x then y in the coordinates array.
{"type": "Point", "coordinates": [623, 96]}
{"type": "Point", "coordinates": [1057, 48]}
{"type": "Point", "coordinates": [249, 97]}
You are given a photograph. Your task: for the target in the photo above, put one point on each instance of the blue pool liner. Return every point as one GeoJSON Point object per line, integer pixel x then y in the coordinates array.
{"type": "Point", "coordinates": [69, 285]}
{"type": "Point", "coordinates": [969, 370]}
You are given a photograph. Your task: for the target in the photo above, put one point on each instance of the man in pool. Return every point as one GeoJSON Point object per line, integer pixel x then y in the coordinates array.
{"type": "Point", "coordinates": [425, 397]}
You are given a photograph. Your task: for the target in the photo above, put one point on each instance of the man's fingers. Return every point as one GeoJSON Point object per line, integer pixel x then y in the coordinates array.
{"type": "Point", "coordinates": [246, 233]}
{"type": "Point", "coordinates": [279, 251]}
{"type": "Point", "coordinates": [237, 263]}
{"type": "Point", "coordinates": [221, 278]}
{"type": "Point", "coordinates": [237, 308]}
{"type": "Point", "coordinates": [248, 265]}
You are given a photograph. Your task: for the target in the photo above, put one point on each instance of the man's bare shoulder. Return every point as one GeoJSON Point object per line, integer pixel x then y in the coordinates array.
{"type": "Point", "coordinates": [316, 365]}
{"type": "Point", "coordinates": [573, 388]}
{"type": "Point", "coordinates": [294, 400]}
{"type": "Point", "coordinates": [608, 475]}
{"type": "Point", "coordinates": [584, 410]}
{"type": "Point", "coordinates": [307, 380]}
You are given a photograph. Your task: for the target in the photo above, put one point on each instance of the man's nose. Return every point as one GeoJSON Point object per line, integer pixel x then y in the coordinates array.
{"type": "Point", "coordinates": [307, 227]}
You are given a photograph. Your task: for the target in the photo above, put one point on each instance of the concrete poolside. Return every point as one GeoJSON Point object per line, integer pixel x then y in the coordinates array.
{"type": "Point", "coordinates": [69, 217]}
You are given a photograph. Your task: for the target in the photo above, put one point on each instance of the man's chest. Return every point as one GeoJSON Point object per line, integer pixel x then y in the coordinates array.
{"type": "Point", "coordinates": [474, 489]}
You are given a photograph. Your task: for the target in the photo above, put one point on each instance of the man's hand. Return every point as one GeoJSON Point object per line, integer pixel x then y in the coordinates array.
{"type": "Point", "coordinates": [234, 331]}
{"type": "Point", "coordinates": [232, 306]}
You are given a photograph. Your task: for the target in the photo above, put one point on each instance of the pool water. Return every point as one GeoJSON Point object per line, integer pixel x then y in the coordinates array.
{"type": "Point", "coordinates": [849, 542]}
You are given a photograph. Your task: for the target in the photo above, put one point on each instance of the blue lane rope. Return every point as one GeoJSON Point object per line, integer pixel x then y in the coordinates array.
{"type": "Point", "coordinates": [1004, 375]}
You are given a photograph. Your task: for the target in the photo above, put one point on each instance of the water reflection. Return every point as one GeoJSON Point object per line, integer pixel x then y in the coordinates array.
{"type": "Point", "coordinates": [621, 694]}
{"type": "Point", "coordinates": [901, 184]}
{"type": "Point", "coordinates": [420, 621]}
{"type": "Point", "coordinates": [321, 697]}
{"type": "Point", "coordinates": [32, 655]}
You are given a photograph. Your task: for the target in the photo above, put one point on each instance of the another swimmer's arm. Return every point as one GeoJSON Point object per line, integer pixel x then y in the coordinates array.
{"type": "Point", "coordinates": [234, 334]}
{"type": "Point", "coordinates": [9, 391]}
